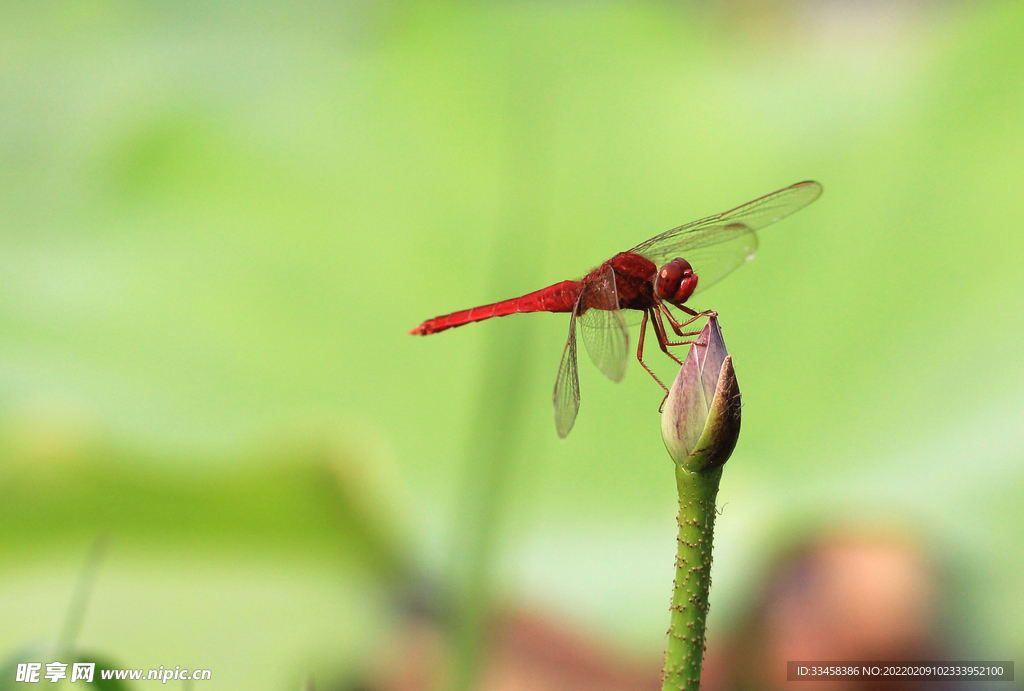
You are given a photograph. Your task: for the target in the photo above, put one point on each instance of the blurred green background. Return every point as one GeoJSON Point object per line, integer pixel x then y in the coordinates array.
{"type": "Point", "coordinates": [219, 221]}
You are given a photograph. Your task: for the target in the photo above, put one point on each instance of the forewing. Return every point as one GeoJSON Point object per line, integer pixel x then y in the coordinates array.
{"type": "Point", "coordinates": [567, 383]}
{"type": "Point", "coordinates": [603, 326]}
{"type": "Point", "coordinates": [727, 227]}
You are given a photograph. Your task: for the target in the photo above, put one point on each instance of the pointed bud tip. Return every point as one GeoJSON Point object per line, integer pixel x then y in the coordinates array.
{"type": "Point", "coordinates": [722, 428]}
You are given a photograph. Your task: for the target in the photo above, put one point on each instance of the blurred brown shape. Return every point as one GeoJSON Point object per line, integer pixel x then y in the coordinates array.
{"type": "Point", "coordinates": [527, 652]}
{"type": "Point", "coordinates": [838, 598]}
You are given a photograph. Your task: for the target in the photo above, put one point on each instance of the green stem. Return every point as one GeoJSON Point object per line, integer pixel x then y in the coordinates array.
{"type": "Point", "coordinates": [489, 474]}
{"type": "Point", "coordinates": [685, 652]}
{"type": "Point", "coordinates": [497, 432]}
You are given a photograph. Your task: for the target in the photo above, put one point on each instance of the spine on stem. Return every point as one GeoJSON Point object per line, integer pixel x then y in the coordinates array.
{"type": "Point", "coordinates": [684, 654]}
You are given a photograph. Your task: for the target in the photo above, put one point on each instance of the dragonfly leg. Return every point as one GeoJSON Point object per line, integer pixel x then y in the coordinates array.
{"type": "Point", "coordinates": [663, 342]}
{"type": "Point", "coordinates": [694, 316]}
{"type": "Point", "coordinates": [659, 332]}
{"type": "Point", "coordinates": [640, 357]}
{"type": "Point", "coordinates": [664, 338]}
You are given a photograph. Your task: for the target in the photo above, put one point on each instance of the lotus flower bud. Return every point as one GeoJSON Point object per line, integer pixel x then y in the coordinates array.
{"type": "Point", "coordinates": [701, 419]}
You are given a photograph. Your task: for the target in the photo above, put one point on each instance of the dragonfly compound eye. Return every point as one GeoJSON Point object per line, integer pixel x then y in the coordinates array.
{"type": "Point", "coordinates": [676, 281]}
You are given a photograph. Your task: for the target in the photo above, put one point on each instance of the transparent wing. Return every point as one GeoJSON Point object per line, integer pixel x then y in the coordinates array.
{"type": "Point", "coordinates": [727, 227]}
{"type": "Point", "coordinates": [567, 383]}
{"type": "Point", "coordinates": [603, 327]}
{"type": "Point", "coordinates": [713, 263]}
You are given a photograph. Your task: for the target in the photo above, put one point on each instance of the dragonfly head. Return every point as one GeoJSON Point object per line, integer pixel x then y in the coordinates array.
{"type": "Point", "coordinates": [676, 281]}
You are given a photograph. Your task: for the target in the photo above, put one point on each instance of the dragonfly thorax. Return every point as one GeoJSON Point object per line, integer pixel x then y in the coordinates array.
{"type": "Point", "coordinates": [676, 281]}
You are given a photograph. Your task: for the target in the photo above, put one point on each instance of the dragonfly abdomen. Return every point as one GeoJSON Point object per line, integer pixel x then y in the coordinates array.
{"type": "Point", "coordinates": [560, 297]}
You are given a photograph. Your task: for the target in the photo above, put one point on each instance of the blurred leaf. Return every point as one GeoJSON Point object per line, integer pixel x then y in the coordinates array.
{"type": "Point", "coordinates": [298, 499]}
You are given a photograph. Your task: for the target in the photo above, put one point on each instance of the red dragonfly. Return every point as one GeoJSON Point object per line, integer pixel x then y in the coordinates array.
{"type": "Point", "coordinates": [703, 252]}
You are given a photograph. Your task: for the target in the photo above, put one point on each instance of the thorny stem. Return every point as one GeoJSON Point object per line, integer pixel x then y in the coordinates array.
{"type": "Point", "coordinates": [684, 655]}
